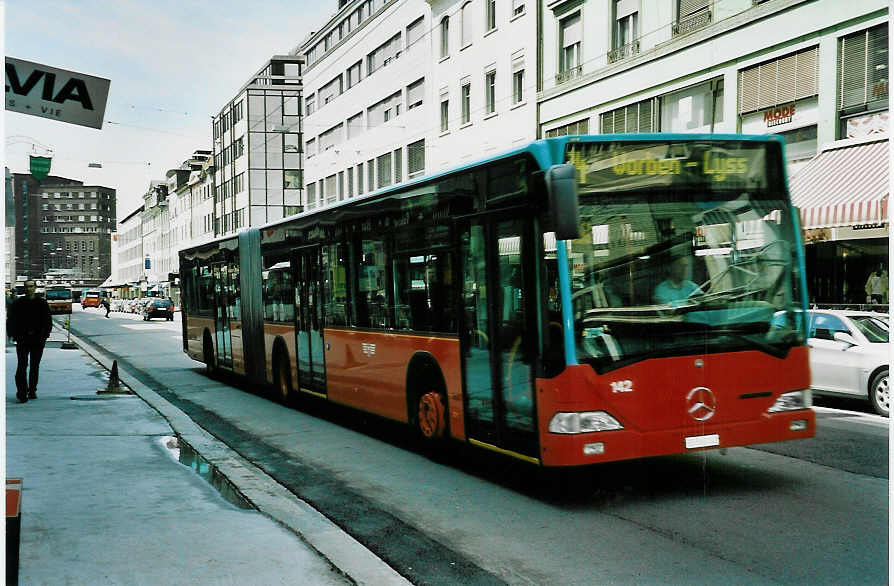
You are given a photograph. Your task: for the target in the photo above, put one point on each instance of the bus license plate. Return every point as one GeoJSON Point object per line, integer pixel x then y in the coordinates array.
{"type": "Point", "coordinates": [702, 441]}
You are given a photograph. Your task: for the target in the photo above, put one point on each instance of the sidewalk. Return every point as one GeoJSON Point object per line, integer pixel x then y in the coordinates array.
{"type": "Point", "coordinates": [105, 500]}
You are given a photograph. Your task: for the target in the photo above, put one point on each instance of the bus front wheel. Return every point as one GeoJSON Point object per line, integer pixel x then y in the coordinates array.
{"type": "Point", "coordinates": [431, 415]}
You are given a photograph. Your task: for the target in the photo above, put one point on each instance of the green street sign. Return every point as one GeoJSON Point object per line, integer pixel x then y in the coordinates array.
{"type": "Point", "coordinates": [40, 166]}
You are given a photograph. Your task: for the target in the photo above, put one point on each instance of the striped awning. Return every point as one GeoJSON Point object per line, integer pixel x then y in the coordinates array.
{"type": "Point", "coordinates": [844, 185]}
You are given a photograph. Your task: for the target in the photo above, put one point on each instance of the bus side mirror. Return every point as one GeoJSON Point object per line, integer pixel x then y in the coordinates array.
{"type": "Point", "coordinates": [561, 187]}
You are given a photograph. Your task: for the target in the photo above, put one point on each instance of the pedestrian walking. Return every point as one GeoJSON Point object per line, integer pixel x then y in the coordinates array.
{"type": "Point", "coordinates": [29, 324]}
{"type": "Point", "coordinates": [105, 303]}
{"type": "Point", "coordinates": [877, 285]}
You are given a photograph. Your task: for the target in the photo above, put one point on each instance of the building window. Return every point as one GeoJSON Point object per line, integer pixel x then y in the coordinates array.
{"type": "Point", "coordinates": [491, 14]}
{"type": "Point", "coordinates": [570, 41]}
{"type": "Point", "coordinates": [445, 114]}
{"type": "Point", "coordinates": [466, 25]}
{"type": "Point", "coordinates": [415, 31]}
{"type": "Point", "coordinates": [331, 138]}
{"type": "Point", "coordinates": [490, 101]}
{"type": "Point", "coordinates": [695, 109]}
{"type": "Point", "coordinates": [779, 81]}
{"type": "Point", "coordinates": [416, 158]}
{"type": "Point", "coordinates": [691, 16]}
{"type": "Point", "coordinates": [518, 86]}
{"type": "Point", "coordinates": [331, 189]}
{"type": "Point", "coordinates": [359, 178]}
{"type": "Point", "coordinates": [445, 37]}
{"type": "Point", "coordinates": [310, 104]}
{"type": "Point", "coordinates": [370, 175]}
{"type": "Point", "coordinates": [633, 118]}
{"type": "Point", "coordinates": [465, 100]}
{"type": "Point", "coordinates": [352, 76]}
{"type": "Point", "coordinates": [331, 90]}
{"type": "Point", "coordinates": [311, 147]}
{"type": "Point", "coordinates": [415, 93]}
{"type": "Point", "coordinates": [385, 110]}
{"type": "Point", "coordinates": [398, 165]}
{"type": "Point", "coordinates": [863, 79]}
{"type": "Point", "coordinates": [383, 166]}
{"type": "Point", "coordinates": [383, 55]}
{"type": "Point", "coordinates": [579, 127]}
{"type": "Point", "coordinates": [518, 8]}
{"type": "Point", "coordinates": [626, 32]}
{"type": "Point", "coordinates": [355, 125]}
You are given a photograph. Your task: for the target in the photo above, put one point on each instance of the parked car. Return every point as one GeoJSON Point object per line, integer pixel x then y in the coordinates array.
{"type": "Point", "coordinates": [158, 308]}
{"type": "Point", "coordinates": [91, 299]}
{"type": "Point", "coordinates": [849, 355]}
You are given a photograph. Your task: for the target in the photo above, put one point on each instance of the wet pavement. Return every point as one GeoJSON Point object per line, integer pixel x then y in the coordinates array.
{"type": "Point", "coordinates": [125, 489]}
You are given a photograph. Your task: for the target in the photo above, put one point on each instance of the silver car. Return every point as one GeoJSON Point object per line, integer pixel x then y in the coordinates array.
{"type": "Point", "coordinates": [849, 355]}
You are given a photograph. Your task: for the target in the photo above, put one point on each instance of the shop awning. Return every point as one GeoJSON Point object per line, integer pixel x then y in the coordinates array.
{"type": "Point", "coordinates": [844, 185]}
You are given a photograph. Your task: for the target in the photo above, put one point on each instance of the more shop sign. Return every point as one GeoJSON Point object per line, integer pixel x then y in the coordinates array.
{"type": "Point", "coordinates": [782, 117]}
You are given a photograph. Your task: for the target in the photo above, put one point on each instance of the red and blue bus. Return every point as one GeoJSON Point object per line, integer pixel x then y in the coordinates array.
{"type": "Point", "coordinates": [579, 300]}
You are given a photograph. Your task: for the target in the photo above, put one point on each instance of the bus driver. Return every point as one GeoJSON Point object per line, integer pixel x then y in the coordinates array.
{"type": "Point", "coordinates": [677, 286]}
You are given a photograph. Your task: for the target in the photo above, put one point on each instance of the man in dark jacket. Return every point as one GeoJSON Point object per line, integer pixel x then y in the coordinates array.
{"type": "Point", "coordinates": [29, 324]}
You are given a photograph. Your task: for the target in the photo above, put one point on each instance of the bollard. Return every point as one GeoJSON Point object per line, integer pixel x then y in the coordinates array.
{"type": "Point", "coordinates": [13, 528]}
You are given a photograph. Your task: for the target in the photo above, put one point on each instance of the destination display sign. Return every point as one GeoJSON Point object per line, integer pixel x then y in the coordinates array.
{"type": "Point", "coordinates": [613, 166]}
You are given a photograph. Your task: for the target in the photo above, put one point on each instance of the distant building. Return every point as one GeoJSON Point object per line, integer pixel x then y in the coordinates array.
{"type": "Point", "coordinates": [63, 228]}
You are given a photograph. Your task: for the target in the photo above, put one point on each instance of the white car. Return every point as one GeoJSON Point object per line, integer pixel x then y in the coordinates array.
{"type": "Point", "coordinates": [849, 355]}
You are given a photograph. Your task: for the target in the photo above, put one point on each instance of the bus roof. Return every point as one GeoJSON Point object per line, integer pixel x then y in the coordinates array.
{"type": "Point", "coordinates": [546, 152]}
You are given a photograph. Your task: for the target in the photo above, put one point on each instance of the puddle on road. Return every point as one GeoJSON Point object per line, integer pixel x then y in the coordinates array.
{"type": "Point", "coordinates": [187, 456]}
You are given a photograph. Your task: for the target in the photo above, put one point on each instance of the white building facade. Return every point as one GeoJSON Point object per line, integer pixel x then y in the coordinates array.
{"type": "Point", "coordinates": [484, 74]}
{"type": "Point", "coordinates": [367, 97]}
{"type": "Point", "coordinates": [813, 72]}
{"type": "Point", "coordinates": [129, 266]}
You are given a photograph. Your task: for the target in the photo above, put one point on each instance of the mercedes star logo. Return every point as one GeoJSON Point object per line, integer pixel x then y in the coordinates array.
{"type": "Point", "coordinates": [701, 404]}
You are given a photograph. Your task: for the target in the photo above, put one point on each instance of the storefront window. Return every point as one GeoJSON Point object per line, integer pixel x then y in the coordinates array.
{"type": "Point", "coordinates": [694, 109]}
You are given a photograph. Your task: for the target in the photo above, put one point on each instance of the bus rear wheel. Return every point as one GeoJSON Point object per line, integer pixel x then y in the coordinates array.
{"type": "Point", "coordinates": [208, 355]}
{"type": "Point", "coordinates": [284, 392]}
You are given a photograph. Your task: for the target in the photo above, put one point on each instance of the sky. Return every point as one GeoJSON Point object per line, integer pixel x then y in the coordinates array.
{"type": "Point", "coordinates": [172, 65]}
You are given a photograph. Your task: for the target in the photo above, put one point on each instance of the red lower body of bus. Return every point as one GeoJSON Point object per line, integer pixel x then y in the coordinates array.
{"type": "Point", "coordinates": [664, 406]}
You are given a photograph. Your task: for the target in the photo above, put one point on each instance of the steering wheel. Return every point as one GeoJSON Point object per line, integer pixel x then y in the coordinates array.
{"type": "Point", "coordinates": [749, 267]}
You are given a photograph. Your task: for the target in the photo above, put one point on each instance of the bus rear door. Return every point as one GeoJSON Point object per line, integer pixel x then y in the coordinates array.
{"type": "Point", "coordinates": [309, 315]}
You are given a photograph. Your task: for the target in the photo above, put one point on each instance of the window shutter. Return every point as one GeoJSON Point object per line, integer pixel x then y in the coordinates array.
{"type": "Point", "coordinates": [688, 7]}
{"type": "Point", "coordinates": [780, 81]}
{"type": "Point", "coordinates": [571, 30]}
{"type": "Point", "coordinates": [863, 65]}
{"type": "Point", "coordinates": [645, 116]}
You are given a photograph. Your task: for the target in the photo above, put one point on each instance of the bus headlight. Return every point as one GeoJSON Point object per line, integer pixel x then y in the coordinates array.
{"type": "Point", "coordinates": [792, 401]}
{"type": "Point", "coordinates": [583, 422]}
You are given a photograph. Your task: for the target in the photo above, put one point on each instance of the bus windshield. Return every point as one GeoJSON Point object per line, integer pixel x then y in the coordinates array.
{"type": "Point", "coordinates": [58, 294]}
{"type": "Point", "coordinates": [685, 248]}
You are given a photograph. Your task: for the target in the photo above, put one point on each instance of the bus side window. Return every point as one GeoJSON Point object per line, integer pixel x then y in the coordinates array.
{"type": "Point", "coordinates": [371, 307]}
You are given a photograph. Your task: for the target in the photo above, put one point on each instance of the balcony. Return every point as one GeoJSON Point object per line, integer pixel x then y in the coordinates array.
{"type": "Point", "coordinates": [570, 73]}
{"type": "Point", "coordinates": [693, 22]}
{"type": "Point", "coordinates": [624, 51]}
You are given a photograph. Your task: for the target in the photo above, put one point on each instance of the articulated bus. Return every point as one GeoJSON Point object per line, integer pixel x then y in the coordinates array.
{"type": "Point", "coordinates": [59, 298]}
{"type": "Point", "coordinates": [580, 300]}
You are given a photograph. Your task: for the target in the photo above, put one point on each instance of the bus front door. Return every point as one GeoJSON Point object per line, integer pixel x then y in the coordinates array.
{"type": "Point", "coordinates": [222, 287]}
{"type": "Point", "coordinates": [497, 302]}
{"type": "Point", "coordinates": [309, 315]}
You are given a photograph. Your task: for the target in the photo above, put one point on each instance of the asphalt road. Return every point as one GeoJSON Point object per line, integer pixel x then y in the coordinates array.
{"type": "Point", "coordinates": [814, 511]}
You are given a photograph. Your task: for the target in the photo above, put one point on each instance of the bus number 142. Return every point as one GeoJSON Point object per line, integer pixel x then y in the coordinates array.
{"type": "Point", "coordinates": [622, 386]}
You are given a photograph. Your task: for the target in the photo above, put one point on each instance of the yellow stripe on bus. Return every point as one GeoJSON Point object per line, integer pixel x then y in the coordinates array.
{"type": "Point", "coordinates": [505, 452]}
